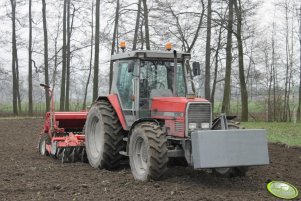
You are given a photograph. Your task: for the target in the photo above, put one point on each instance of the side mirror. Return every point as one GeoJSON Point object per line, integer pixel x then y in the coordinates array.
{"type": "Point", "coordinates": [131, 67]}
{"type": "Point", "coordinates": [196, 68]}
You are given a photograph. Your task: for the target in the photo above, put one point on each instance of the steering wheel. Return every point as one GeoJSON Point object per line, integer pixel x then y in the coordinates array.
{"type": "Point", "coordinates": [157, 85]}
{"type": "Point", "coordinates": [161, 85]}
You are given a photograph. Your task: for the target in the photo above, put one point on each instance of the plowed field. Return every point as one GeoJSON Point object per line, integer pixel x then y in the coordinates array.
{"type": "Point", "coordinates": [26, 175]}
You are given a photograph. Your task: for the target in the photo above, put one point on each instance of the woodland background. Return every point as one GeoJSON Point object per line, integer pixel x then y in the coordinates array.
{"type": "Point", "coordinates": [249, 51]}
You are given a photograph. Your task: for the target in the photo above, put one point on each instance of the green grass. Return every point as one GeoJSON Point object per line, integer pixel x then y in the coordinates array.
{"type": "Point", "coordinates": [235, 107]}
{"type": "Point", "coordinates": [286, 133]}
{"type": "Point", "coordinates": [39, 107]}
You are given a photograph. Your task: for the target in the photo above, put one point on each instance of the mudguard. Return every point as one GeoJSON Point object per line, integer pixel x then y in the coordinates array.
{"type": "Point", "coordinates": [113, 99]}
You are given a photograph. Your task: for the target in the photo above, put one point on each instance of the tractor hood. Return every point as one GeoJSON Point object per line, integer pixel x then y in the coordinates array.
{"type": "Point", "coordinates": [172, 104]}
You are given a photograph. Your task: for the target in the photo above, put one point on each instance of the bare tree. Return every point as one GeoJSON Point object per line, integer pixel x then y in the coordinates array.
{"type": "Point", "coordinates": [188, 46]}
{"type": "Point", "coordinates": [208, 52]}
{"type": "Point", "coordinates": [114, 42]}
{"type": "Point", "coordinates": [285, 111]}
{"type": "Point", "coordinates": [146, 27]}
{"type": "Point", "coordinates": [96, 52]}
{"type": "Point", "coordinates": [299, 101]}
{"type": "Point", "coordinates": [91, 57]}
{"type": "Point", "coordinates": [215, 81]}
{"type": "Point", "coordinates": [243, 87]}
{"type": "Point", "coordinates": [14, 57]}
{"type": "Point", "coordinates": [63, 82]}
{"type": "Point", "coordinates": [45, 54]}
{"type": "Point", "coordinates": [68, 58]}
{"type": "Point", "coordinates": [137, 26]}
{"type": "Point", "coordinates": [30, 104]}
{"type": "Point", "coordinates": [227, 88]}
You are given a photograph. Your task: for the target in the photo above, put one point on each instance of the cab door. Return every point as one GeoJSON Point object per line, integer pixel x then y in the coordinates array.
{"type": "Point", "coordinates": [126, 88]}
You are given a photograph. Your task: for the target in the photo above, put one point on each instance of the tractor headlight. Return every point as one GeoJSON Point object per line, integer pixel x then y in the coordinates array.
{"type": "Point", "coordinates": [192, 126]}
{"type": "Point", "coordinates": [205, 125]}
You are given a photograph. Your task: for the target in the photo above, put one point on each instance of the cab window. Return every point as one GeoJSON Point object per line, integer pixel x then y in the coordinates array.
{"type": "Point", "coordinates": [125, 85]}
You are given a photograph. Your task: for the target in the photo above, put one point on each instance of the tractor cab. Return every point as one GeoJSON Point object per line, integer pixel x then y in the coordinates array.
{"type": "Point", "coordinates": [142, 76]}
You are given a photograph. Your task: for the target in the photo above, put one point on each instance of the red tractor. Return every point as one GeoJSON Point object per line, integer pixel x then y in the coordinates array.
{"type": "Point", "coordinates": [152, 115]}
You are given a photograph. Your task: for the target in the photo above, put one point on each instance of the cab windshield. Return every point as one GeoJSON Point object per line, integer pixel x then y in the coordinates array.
{"type": "Point", "coordinates": [156, 79]}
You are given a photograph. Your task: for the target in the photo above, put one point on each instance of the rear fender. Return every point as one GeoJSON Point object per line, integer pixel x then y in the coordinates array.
{"type": "Point", "coordinates": [113, 99]}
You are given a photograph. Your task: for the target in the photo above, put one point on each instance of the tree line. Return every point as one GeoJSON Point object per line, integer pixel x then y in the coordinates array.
{"type": "Point", "coordinates": [68, 42]}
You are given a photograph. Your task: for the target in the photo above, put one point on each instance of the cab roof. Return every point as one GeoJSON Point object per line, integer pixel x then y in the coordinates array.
{"type": "Point", "coordinates": [149, 54]}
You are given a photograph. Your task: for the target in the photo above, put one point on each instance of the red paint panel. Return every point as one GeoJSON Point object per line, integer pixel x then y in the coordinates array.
{"type": "Point", "coordinates": [179, 99]}
{"type": "Point", "coordinates": [172, 104]}
{"type": "Point", "coordinates": [70, 115]}
{"type": "Point", "coordinates": [66, 120]}
{"type": "Point", "coordinates": [69, 141]}
{"type": "Point", "coordinates": [171, 128]}
{"type": "Point", "coordinates": [163, 106]}
{"type": "Point", "coordinates": [116, 105]}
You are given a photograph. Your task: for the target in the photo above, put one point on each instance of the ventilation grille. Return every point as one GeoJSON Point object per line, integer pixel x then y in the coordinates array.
{"type": "Point", "coordinates": [179, 126]}
{"type": "Point", "coordinates": [199, 113]}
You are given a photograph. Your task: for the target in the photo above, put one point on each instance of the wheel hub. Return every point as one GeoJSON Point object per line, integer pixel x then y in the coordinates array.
{"type": "Point", "coordinates": [97, 137]}
{"type": "Point", "coordinates": [141, 158]}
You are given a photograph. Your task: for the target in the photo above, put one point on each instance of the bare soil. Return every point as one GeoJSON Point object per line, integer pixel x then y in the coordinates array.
{"type": "Point", "coordinates": [26, 175]}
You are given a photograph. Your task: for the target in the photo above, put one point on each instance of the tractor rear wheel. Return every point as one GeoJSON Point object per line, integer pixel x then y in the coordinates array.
{"type": "Point", "coordinates": [233, 171]}
{"type": "Point", "coordinates": [44, 139]}
{"type": "Point", "coordinates": [148, 152]}
{"type": "Point", "coordinates": [104, 136]}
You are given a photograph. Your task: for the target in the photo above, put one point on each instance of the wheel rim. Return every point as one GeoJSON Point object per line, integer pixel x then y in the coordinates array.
{"type": "Point", "coordinates": [140, 156]}
{"type": "Point", "coordinates": [222, 170]}
{"type": "Point", "coordinates": [43, 147]}
{"type": "Point", "coordinates": [54, 148]}
{"type": "Point", "coordinates": [96, 138]}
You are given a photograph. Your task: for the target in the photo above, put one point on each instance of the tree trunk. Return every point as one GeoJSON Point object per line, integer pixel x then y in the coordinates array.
{"type": "Point", "coordinates": [113, 43]}
{"type": "Point", "coordinates": [274, 74]}
{"type": "Point", "coordinates": [18, 80]}
{"type": "Point", "coordinates": [63, 82]}
{"type": "Point", "coordinates": [15, 83]}
{"type": "Point", "coordinates": [68, 58]}
{"type": "Point", "coordinates": [216, 68]}
{"type": "Point", "coordinates": [299, 104]}
{"type": "Point", "coordinates": [208, 52]}
{"type": "Point", "coordinates": [141, 35]}
{"type": "Point", "coordinates": [55, 54]}
{"type": "Point", "coordinates": [147, 42]}
{"type": "Point", "coordinates": [269, 82]}
{"type": "Point", "coordinates": [96, 52]}
{"type": "Point", "coordinates": [91, 57]}
{"type": "Point", "coordinates": [46, 54]}
{"type": "Point", "coordinates": [285, 112]}
{"type": "Point", "coordinates": [30, 105]}
{"type": "Point", "coordinates": [227, 89]}
{"type": "Point", "coordinates": [242, 80]}
{"type": "Point", "coordinates": [137, 26]}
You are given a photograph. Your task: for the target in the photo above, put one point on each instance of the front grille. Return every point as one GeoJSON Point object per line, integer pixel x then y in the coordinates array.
{"type": "Point", "coordinates": [179, 126]}
{"type": "Point", "coordinates": [199, 113]}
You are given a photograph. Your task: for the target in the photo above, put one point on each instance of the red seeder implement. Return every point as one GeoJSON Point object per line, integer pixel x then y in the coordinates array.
{"type": "Point", "coordinates": [62, 134]}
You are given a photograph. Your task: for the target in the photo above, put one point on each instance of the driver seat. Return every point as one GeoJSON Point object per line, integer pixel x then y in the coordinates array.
{"type": "Point", "coordinates": [160, 93]}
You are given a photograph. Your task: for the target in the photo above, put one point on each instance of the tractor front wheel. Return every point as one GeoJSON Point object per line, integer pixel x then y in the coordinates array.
{"type": "Point", "coordinates": [148, 152]}
{"type": "Point", "coordinates": [104, 136]}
